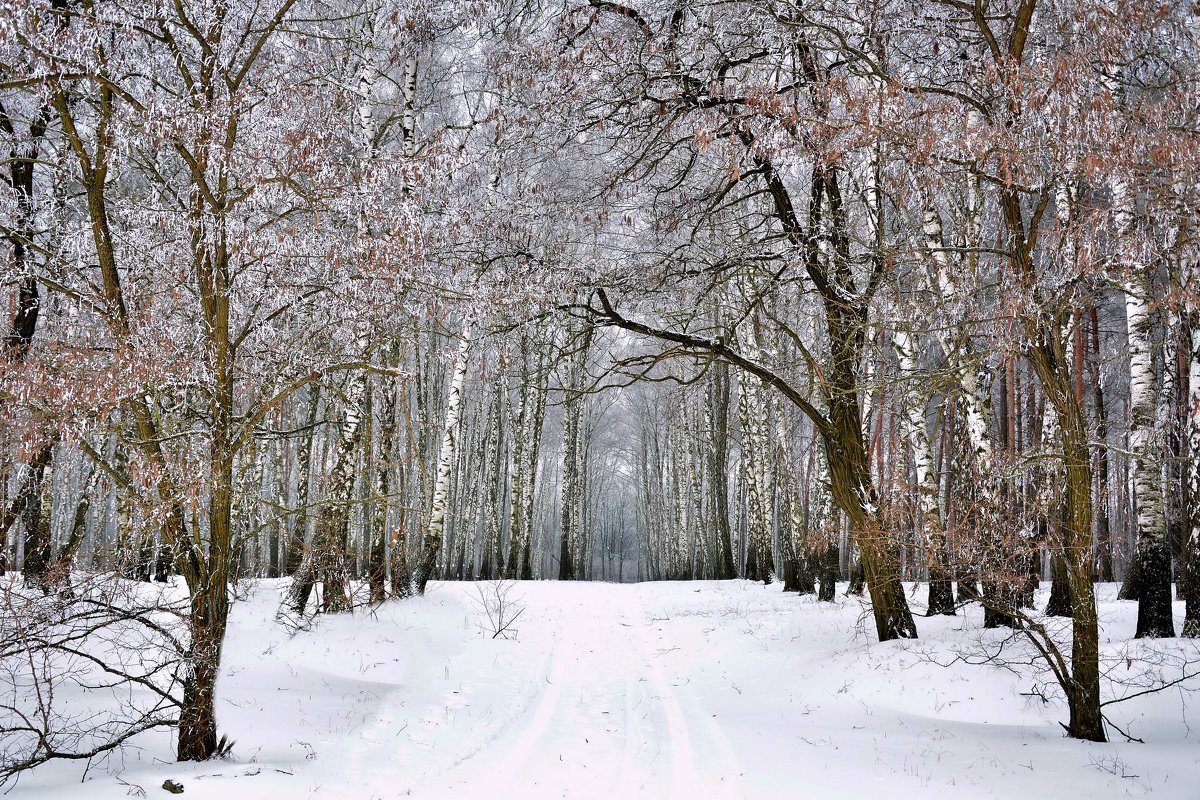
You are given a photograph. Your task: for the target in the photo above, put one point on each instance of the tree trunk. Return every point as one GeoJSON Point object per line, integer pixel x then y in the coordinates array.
{"type": "Point", "coordinates": [756, 456]}
{"type": "Point", "coordinates": [1145, 440]}
{"type": "Point", "coordinates": [941, 592]}
{"type": "Point", "coordinates": [1153, 552]}
{"type": "Point", "coordinates": [717, 452]}
{"type": "Point", "coordinates": [493, 554]}
{"type": "Point", "coordinates": [384, 453]}
{"type": "Point", "coordinates": [35, 518]}
{"type": "Point", "coordinates": [574, 459]}
{"type": "Point", "coordinates": [973, 398]}
{"type": "Point", "coordinates": [827, 573]}
{"type": "Point", "coordinates": [197, 740]}
{"type": "Point", "coordinates": [1103, 532]}
{"type": "Point", "coordinates": [296, 541]}
{"type": "Point", "coordinates": [446, 457]}
{"type": "Point", "coordinates": [22, 161]}
{"type": "Point", "coordinates": [1191, 540]}
{"type": "Point", "coordinates": [851, 483]}
{"type": "Point", "coordinates": [534, 413]}
{"type": "Point", "coordinates": [1048, 359]}
{"type": "Point", "coordinates": [1059, 604]}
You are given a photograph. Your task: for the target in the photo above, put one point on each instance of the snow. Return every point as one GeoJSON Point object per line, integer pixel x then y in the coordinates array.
{"type": "Point", "coordinates": [657, 690]}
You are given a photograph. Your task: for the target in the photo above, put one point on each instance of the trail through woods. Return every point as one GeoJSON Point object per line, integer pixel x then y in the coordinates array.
{"type": "Point", "coordinates": [608, 721]}
{"type": "Point", "coordinates": [685, 689]}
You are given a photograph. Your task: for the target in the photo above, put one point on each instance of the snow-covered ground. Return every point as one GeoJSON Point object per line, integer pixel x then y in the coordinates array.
{"type": "Point", "coordinates": [696, 690]}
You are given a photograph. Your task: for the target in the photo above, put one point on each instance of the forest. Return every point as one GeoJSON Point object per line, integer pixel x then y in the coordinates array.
{"type": "Point", "coordinates": [895, 300]}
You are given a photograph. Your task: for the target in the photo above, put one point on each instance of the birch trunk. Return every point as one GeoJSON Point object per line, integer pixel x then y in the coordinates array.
{"type": "Point", "coordinates": [756, 465]}
{"type": "Point", "coordinates": [1145, 366]}
{"type": "Point", "coordinates": [941, 592]}
{"type": "Point", "coordinates": [1000, 592]}
{"type": "Point", "coordinates": [574, 465]}
{"type": "Point", "coordinates": [299, 532]}
{"type": "Point", "coordinates": [1191, 542]}
{"type": "Point", "coordinates": [446, 457]}
{"type": "Point", "coordinates": [522, 471]}
{"type": "Point", "coordinates": [975, 397]}
{"type": "Point", "coordinates": [1103, 527]}
{"type": "Point", "coordinates": [329, 547]}
{"type": "Point", "coordinates": [493, 559]}
{"type": "Point", "coordinates": [383, 467]}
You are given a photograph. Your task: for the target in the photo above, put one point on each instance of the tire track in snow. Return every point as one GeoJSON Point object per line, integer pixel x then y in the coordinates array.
{"type": "Point", "coordinates": [603, 719]}
{"type": "Point", "coordinates": [410, 738]}
{"type": "Point", "coordinates": [586, 734]}
{"type": "Point", "coordinates": [702, 760]}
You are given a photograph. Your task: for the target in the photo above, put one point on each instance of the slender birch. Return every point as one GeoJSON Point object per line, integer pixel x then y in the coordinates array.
{"type": "Point", "coordinates": [447, 454]}
{"type": "Point", "coordinates": [1145, 443]}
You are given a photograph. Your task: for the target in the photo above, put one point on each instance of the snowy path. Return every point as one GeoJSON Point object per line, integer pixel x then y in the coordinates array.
{"type": "Point", "coordinates": [664, 690]}
{"type": "Point", "coordinates": [607, 722]}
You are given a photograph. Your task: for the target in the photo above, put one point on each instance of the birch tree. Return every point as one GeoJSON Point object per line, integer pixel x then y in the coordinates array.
{"type": "Point", "coordinates": [447, 453]}
{"type": "Point", "coordinates": [941, 596]}
{"type": "Point", "coordinates": [1146, 439]}
{"type": "Point", "coordinates": [574, 460]}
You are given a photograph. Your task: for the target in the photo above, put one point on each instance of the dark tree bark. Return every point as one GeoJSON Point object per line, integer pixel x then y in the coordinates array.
{"type": "Point", "coordinates": [295, 545]}
{"type": "Point", "coordinates": [35, 518]}
{"type": "Point", "coordinates": [858, 577]}
{"type": "Point", "coordinates": [717, 460]}
{"type": "Point", "coordinates": [1047, 359]}
{"type": "Point", "coordinates": [828, 575]}
{"type": "Point", "coordinates": [798, 574]}
{"type": "Point", "coordinates": [22, 161]}
{"type": "Point", "coordinates": [1104, 565]}
{"type": "Point", "coordinates": [385, 419]}
{"type": "Point", "coordinates": [490, 565]}
{"type": "Point", "coordinates": [941, 595]}
{"type": "Point", "coordinates": [197, 739]}
{"type": "Point", "coordinates": [398, 557]}
{"type": "Point", "coordinates": [1131, 587]}
{"type": "Point", "coordinates": [1059, 604]}
{"type": "Point", "coordinates": [1000, 602]}
{"type": "Point", "coordinates": [1155, 618]}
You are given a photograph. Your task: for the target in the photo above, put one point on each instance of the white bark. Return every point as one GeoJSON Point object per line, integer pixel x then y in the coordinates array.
{"type": "Point", "coordinates": [917, 432]}
{"type": "Point", "coordinates": [527, 427]}
{"type": "Point", "coordinates": [789, 485]}
{"type": "Point", "coordinates": [1143, 383]}
{"type": "Point", "coordinates": [493, 560]}
{"type": "Point", "coordinates": [449, 447]}
{"type": "Point", "coordinates": [408, 116]}
{"type": "Point", "coordinates": [574, 463]}
{"type": "Point", "coordinates": [367, 75]}
{"type": "Point", "coordinates": [1191, 626]}
{"type": "Point", "coordinates": [756, 456]}
{"type": "Point", "coordinates": [975, 400]}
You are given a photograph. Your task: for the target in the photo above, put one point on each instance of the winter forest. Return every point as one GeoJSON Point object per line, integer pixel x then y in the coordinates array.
{"type": "Point", "coordinates": [429, 396]}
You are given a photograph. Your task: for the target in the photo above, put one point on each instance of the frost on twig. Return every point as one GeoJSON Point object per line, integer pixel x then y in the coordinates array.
{"type": "Point", "coordinates": [83, 673]}
{"type": "Point", "coordinates": [1039, 649]}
